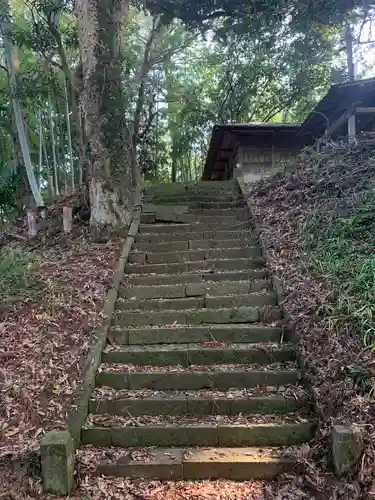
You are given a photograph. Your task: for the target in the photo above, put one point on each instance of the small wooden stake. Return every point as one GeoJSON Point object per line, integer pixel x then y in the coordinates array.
{"type": "Point", "coordinates": [43, 213]}
{"type": "Point", "coordinates": [67, 219]}
{"type": "Point", "coordinates": [31, 221]}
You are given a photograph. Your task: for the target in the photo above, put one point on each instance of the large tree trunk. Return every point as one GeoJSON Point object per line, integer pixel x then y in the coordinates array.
{"type": "Point", "coordinates": [110, 182]}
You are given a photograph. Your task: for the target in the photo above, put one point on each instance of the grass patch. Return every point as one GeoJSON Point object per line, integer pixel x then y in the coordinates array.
{"type": "Point", "coordinates": [341, 249]}
{"type": "Point", "coordinates": [18, 282]}
{"type": "Point", "coordinates": [15, 268]}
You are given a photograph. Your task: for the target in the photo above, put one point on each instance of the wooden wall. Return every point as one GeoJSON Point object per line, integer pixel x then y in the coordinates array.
{"type": "Point", "coordinates": [263, 156]}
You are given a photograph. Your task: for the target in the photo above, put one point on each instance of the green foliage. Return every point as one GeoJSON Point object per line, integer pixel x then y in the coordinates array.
{"type": "Point", "coordinates": [7, 196]}
{"type": "Point", "coordinates": [15, 267]}
{"type": "Point", "coordinates": [344, 253]}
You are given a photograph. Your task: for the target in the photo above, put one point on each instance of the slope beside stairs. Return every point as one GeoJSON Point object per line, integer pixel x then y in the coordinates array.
{"type": "Point", "coordinates": [200, 379]}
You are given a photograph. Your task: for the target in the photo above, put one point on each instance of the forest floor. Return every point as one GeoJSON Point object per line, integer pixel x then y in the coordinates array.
{"type": "Point", "coordinates": [51, 296]}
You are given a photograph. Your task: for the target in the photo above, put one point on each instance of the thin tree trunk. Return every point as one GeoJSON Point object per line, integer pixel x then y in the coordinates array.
{"type": "Point", "coordinates": [69, 137]}
{"type": "Point", "coordinates": [40, 143]}
{"type": "Point", "coordinates": [103, 101]}
{"type": "Point", "coordinates": [53, 146]}
{"type": "Point", "coordinates": [174, 163]}
{"type": "Point", "coordinates": [11, 55]}
{"type": "Point", "coordinates": [349, 52]}
{"type": "Point", "coordinates": [71, 86]}
{"type": "Point", "coordinates": [145, 67]}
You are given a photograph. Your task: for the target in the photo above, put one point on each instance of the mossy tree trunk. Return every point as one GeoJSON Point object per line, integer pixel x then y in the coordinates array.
{"type": "Point", "coordinates": [103, 102]}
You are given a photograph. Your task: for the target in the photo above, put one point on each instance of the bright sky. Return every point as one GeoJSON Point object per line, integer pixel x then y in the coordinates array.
{"type": "Point", "coordinates": [365, 54]}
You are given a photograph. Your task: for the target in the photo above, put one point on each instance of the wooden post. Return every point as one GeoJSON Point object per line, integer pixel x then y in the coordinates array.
{"type": "Point", "coordinates": [273, 159]}
{"type": "Point", "coordinates": [31, 221]}
{"type": "Point", "coordinates": [351, 128]}
{"type": "Point", "coordinates": [43, 213]}
{"type": "Point", "coordinates": [51, 186]}
{"type": "Point", "coordinates": [67, 219]}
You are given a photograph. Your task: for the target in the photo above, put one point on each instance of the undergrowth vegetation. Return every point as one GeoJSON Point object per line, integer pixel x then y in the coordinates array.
{"type": "Point", "coordinates": [20, 281]}
{"type": "Point", "coordinates": [15, 268]}
{"type": "Point", "coordinates": [333, 195]}
{"type": "Point", "coordinates": [344, 253]}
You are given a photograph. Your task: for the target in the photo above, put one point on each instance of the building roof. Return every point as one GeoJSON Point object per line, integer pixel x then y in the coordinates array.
{"type": "Point", "coordinates": [339, 98]}
{"type": "Point", "coordinates": [225, 137]}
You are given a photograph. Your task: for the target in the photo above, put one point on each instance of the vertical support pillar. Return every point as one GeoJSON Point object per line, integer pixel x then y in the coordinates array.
{"type": "Point", "coordinates": [351, 127]}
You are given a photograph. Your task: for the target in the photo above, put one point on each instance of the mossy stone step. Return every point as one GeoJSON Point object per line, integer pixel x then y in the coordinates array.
{"type": "Point", "coordinates": [195, 354]}
{"type": "Point", "coordinates": [246, 333]}
{"type": "Point", "coordinates": [142, 257]}
{"type": "Point", "coordinates": [190, 198]}
{"type": "Point", "coordinates": [175, 464]}
{"type": "Point", "coordinates": [237, 202]}
{"type": "Point", "coordinates": [256, 277]}
{"type": "Point", "coordinates": [197, 227]}
{"type": "Point", "coordinates": [222, 244]}
{"type": "Point", "coordinates": [199, 244]}
{"type": "Point", "coordinates": [170, 246]}
{"type": "Point", "coordinates": [153, 292]}
{"type": "Point", "coordinates": [196, 380]}
{"type": "Point", "coordinates": [283, 434]}
{"type": "Point", "coordinates": [202, 302]}
{"type": "Point", "coordinates": [178, 236]}
{"type": "Point", "coordinates": [222, 288]}
{"type": "Point", "coordinates": [221, 212]}
{"type": "Point", "coordinates": [179, 404]}
{"type": "Point", "coordinates": [217, 219]}
{"type": "Point", "coordinates": [197, 317]}
{"type": "Point", "coordinates": [161, 304]}
{"type": "Point", "coordinates": [208, 265]}
{"type": "Point", "coordinates": [164, 228]}
{"type": "Point", "coordinates": [199, 289]}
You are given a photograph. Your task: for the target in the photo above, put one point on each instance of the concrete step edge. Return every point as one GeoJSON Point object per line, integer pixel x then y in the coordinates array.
{"type": "Point", "coordinates": [195, 380]}
{"type": "Point", "coordinates": [245, 333]}
{"type": "Point", "coordinates": [175, 404]}
{"type": "Point", "coordinates": [176, 464]}
{"type": "Point", "coordinates": [275, 434]}
{"type": "Point", "coordinates": [186, 355]}
{"type": "Point", "coordinates": [201, 301]}
{"type": "Point", "coordinates": [213, 288]}
{"type": "Point", "coordinates": [225, 315]}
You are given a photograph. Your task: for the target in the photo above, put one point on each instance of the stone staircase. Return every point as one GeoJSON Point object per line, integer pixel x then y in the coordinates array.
{"type": "Point", "coordinates": [199, 380]}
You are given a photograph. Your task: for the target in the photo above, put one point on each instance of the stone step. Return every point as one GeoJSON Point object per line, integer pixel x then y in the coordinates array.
{"type": "Point", "coordinates": [192, 236]}
{"type": "Point", "coordinates": [186, 191]}
{"type": "Point", "coordinates": [214, 219]}
{"type": "Point", "coordinates": [189, 334]}
{"type": "Point", "coordinates": [223, 244]}
{"type": "Point", "coordinates": [194, 302]}
{"type": "Point", "coordinates": [196, 354]}
{"type": "Point", "coordinates": [195, 227]}
{"type": "Point", "coordinates": [176, 464]}
{"type": "Point", "coordinates": [214, 211]}
{"type": "Point", "coordinates": [174, 246]}
{"type": "Point", "coordinates": [192, 197]}
{"type": "Point", "coordinates": [237, 202]}
{"type": "Point", "coordinates": [267, 314]}
{"type": "Point", "coordinates": [208, 265]}
{"type": "Point", "coordinates": [195, 378]}
{"type": "Point", "coordinates": [253, 275]}
{"type": "Point", "coordinates": [166, 215]}
{"type": "Point", "coordinates": [202, 288]}
{"type": "Point", "coordinates": [206, 432]}
{"type": "Point", "coordinates": [141, 257]}
{"type": "Point", "coordinates": [232, 402]}
{"type": "Point", "coordinates": [167, 187]}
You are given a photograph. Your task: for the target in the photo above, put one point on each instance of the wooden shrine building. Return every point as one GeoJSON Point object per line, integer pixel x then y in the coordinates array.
{"type": "Point", "coordinates": [256, 149]}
